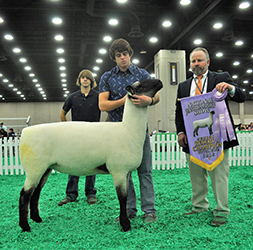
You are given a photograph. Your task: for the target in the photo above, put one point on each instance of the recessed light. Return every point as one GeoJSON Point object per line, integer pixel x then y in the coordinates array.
{"type": "Point", "coordinates": [58, 37]}
{"type": "Point", "coordinates": [28, 68]}
{"type": "Point", "coordinates": [113, 22]}
{"type": "Point", "coordinates": [198, 41]}
{"type": "Point", "coordinates": [219, 54]}
{"type": "Point", "coordinates": [107, 38]}
{"type": "Point", "coordinates": [217, 25]}
{"type": "Point", "coordinates": [102, 51]}
{"type": "Point", "coordinates": [166, 23]}
{"type": "Point", "coordinates": [17, 50]}
{"type": "Point", "coordinates": [8, 37]}
{"type": "Point", "coordinates": [60, 50]}
{"type": "Point", "coordinates": [135, 61]}
{"type": "Point", "coordinates": [153, 39]}
{"type": "Point", "coordinates": [61, 60]}
{"type": "Point", "coordinates": [22, 60]}
{"type": "Point", "coordinates": [239, 43]}
{"type": "Point", "coordinates": [56, 20]}
{"type": "Point", "coordinates": [185, 2]}
{"type": "Point", "coordinates": [99, 60]}
{"type": "Point", "coordinates": [236, 63]}
{"type": "Point", "coordinates": [244, 5]}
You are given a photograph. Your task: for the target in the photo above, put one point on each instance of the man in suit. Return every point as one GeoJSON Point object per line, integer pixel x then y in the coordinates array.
{"type": "Point", "coordinates": [199, 62]}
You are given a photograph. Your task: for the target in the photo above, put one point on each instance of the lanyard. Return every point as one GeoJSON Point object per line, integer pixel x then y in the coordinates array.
{"type": "Point", "coordinates": [198, 86]}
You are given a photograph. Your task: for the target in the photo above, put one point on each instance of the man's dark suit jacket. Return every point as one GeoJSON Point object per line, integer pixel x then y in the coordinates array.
{"type": "Point", "coordinates": [213, 79]}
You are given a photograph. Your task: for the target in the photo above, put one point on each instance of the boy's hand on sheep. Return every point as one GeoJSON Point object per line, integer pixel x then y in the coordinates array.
{"type": "Point", "coordinates": [182, 139]}
{"type": "Point", "coordinates": [141, 100]}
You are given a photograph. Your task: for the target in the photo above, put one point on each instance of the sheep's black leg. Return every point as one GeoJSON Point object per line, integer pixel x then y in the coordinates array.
{"type": "Point", "coordinates": [210, 130]}
{"type": "Point", "coordinates": [124, 221]}
{"type": "Point", "coordinates": [34, 202]}
{"type": "Point", "coordinates": [24, 200]}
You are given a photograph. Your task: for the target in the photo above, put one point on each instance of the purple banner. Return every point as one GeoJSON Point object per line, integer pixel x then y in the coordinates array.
{"type": "Point", "coordinates": [203, 129]}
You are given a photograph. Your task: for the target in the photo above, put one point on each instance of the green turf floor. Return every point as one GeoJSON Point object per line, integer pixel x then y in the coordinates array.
{"type": "Point", "coordinates": [80, 226]}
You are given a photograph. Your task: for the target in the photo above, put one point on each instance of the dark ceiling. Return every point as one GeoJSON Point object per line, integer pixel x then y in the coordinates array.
{"type": "Point", "coordinates": [85, 23]}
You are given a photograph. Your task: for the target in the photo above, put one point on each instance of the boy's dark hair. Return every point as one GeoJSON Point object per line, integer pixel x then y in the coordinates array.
{"type": "Point", "coordinates": [120, 45]}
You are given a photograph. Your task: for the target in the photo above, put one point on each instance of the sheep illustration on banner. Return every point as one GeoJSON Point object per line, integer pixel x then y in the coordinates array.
{"type": "Point", "coordinates": [207, 124]}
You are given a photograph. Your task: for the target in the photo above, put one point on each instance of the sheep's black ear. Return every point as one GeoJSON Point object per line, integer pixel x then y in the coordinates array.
{"type": "Point", "coordinates": [130, 89]}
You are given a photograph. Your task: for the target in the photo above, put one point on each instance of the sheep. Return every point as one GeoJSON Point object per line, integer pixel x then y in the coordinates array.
{"type": "Point", "coordinates": [206, 122]}
{"type": "Point", "coordinates": [114, 148]}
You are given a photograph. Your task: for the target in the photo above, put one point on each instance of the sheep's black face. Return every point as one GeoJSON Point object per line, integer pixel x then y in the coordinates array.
{"type": "Point", "coordinates": [147, 87]}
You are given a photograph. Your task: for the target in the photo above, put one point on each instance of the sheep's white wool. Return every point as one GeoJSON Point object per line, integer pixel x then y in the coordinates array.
{"type": "Point", "coordinates": [78, 148]}
{"type": "Point", "coordinates": [84, 148]}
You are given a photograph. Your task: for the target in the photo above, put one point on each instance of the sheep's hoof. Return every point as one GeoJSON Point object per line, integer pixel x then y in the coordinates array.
{"type": "Point", "coordinates": [126, 226]}
{"type": "Point", "coordinates": [126, 229]}
{"type": "Point", "coordinates": [36, 218]}
{"type": "Point", "coordinates": [25, 228]}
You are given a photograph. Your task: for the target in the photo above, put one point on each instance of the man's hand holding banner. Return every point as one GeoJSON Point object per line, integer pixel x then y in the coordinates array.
{"type": "Point", "coordinates": [207, 125]}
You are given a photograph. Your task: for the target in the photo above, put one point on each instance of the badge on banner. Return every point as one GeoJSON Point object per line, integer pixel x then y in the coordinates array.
{"type": "Point", "coordinates": [207, 125]}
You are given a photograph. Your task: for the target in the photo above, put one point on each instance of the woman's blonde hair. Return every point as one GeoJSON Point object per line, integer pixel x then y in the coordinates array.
{"type": "Point", "coordinates": [88, 74]}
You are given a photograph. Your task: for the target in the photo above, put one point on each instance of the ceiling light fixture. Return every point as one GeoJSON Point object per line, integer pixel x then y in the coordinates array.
{"type": "Point", "coordinates": [219, 54]}
{"type": "Point", "coordinates": [58, 37]}
{"type": "Point", "coordinates": [244, 5]}
{"type": "Point", "coordinates": [185, 2]}
{"type": "Point", "coordinates": [113, 22]}
{"type": "Point", "coordinates": [99, 60]}
{"type": "Point", "coordinates": [153, 39]}
{"type": "Point", "coordinates": [16, 50]}
{"type": "Point", "coordinates": [239, 43]}
{"type": "Point", "coordinates": [166, 23]}
{"type": "Point", "coordinates": [198, 41]}
{"type": "Point", "coordinates": [217, 25]}
{"type": "Point", "coordinates": [61, 60]}
{"type": "Point", "coordinates": [135, 61]}
{"type": "Point", "coordinates": [8, 37]}
{"type": "Point", "coordinates": [60, 50]}
{"type": "Point", "coordinates": [102, 51]}
{"type": "Point", "coordinates": [23, 60]}
{"type": "Point", "coordinates": [56, 20]}
{"type": "Point", "coordinates": [107, 38]}
{"type": "Point", "coordinates": [28, 68]}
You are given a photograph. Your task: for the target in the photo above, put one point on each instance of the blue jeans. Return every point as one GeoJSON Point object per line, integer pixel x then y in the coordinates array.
{"type": "Point", "coordinates": [72, 187]}
{"type": "Point", "coordinates": [146, 183]}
